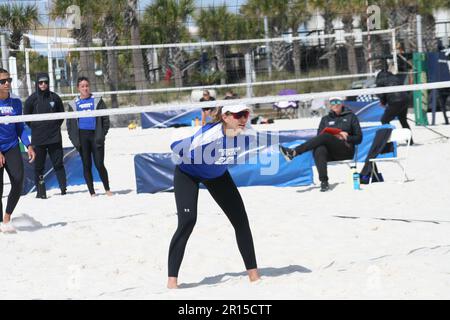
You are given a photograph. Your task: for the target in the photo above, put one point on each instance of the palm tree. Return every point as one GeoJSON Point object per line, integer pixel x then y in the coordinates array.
{"type": "Point", "coordinates": [167, 19]}
{"type": "Point", "coordinates": [297, 15]}
{"type": "Point", "coordinates": [89, 13]}
{"type": "Point", "coordinates": [430, 41]}
{"type": "Point", "coordinates": [353, 8]}
{"type": "Point", "coordinates": [245, 28]}
{"type": "Point", "coordinates": [276, 12]}
{"type": "Point", "coordinates": [18, 19]}
{"type": "Point", "coordinates": [374, 48]}
{"type": "Point", "coordinates": [216, 24]}
{"type": "Point", "coordinates": [402, 15]}
{"type": "Point", "coordinates": [132, 22]}
{"type": "Point", "coordinates": [329, 10]}
{"type": "Point", "coordinates": [111, 20]}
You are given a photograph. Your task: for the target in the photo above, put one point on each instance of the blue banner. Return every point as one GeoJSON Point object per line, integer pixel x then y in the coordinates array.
{"type": "Point", "coordinates": [154, 171]}
{"type": "Point", "coordinates": [72, 164]}
{"type": "Point", "coordinates": [171, 118]}
{"type": "Point", "coordinates": [365, 111]}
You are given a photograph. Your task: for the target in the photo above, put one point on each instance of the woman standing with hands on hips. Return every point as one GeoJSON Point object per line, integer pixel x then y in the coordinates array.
{"type": "Point", "coordinates": [217, 145]}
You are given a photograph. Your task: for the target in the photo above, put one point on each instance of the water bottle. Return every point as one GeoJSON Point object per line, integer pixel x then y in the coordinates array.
{"type": "Point", "coordinates": [355, 176]}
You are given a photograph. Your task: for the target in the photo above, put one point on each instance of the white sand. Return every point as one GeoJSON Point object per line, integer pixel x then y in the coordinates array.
{"type": "Point", "coordinates": [77, 247]}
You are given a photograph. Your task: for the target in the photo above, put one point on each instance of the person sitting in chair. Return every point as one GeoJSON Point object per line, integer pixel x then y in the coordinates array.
{"type": "Point", "coordinates": [207, 112]}
{"type": "Point", "coordinates": [338, 134]}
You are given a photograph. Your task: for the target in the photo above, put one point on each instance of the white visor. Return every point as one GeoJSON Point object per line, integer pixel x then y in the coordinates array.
{"type": "Point", "coordinates": [235, 108]}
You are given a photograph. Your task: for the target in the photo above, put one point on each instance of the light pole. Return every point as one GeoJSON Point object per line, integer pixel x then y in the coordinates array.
{"type": "Point", "coordinates": [268, 51]}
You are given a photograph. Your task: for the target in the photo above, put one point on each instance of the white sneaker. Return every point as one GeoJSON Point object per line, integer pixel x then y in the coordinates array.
{"type": "Point", "coordinates": [7, 228]}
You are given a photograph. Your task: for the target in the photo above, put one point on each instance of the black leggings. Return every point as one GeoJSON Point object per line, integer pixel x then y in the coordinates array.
{"type": "Point", "coordinates": [396, 109]}
{"type": "Point", "coordinates": [227, 196]}
{"type": "Point", "coordinates": [14, 168]}
{"type": "Point", "coordinates": [326, 147]}
{"type": "Point", "coordinates": [55, 151]}
{"type": "Point", "coordinates": [88, 149]}
{"type": "Point", "coordinates": [443, 95]}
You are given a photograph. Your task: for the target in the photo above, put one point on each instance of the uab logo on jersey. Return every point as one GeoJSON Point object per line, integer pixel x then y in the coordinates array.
{"type": "Point", "coordinates": [6, 111]}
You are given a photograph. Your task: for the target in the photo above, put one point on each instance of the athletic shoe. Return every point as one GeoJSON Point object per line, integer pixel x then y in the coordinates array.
{"type": "Point", "coordinates": [287, 153]}
{"type": "Point", "coordinates": [324, 186]}
{"type": "Point", "coordinates": [7, 228]}
{"type": "Point", "coordinates": [63, 192]}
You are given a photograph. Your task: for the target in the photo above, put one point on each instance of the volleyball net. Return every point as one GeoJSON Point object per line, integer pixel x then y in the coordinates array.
{"type": "Point", "coordinates": [169, 72]}
{"type": "Point", "coordinates": [306, 97]}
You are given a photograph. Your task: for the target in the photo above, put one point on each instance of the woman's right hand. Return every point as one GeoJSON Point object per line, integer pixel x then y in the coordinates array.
{"type": "Point", "coordinates": [342, 135]}
{"type": "Point", "coordinates": [2, 160]}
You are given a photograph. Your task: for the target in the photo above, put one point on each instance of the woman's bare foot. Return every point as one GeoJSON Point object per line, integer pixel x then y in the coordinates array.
{"type": "Point", "coordinates": [93, 195]}
{"type": "Point", "coordinates": [172, 283]}
{"type": "Point", "coordinates": [253, 275]}
{"type": "Point", "coordinates": [109, 193]}
{"type": "Point", "coordinates": [7, 218]}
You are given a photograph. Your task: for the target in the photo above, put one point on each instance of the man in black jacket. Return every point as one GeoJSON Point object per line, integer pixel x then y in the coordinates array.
{"type": "Point", "coordinates": [46, 135]}
{"type": "Point", "coordinates": [338, 133]}
{"type": "Point", "coordinates": [397, 102]}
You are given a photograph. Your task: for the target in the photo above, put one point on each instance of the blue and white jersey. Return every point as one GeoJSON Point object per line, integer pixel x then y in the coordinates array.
{"type": "Point", "coordinates": [11, 132]}
{"type": "Point", "coordinates": [207, 154]}
{"type": "Point", "coordinates": [86, 105]}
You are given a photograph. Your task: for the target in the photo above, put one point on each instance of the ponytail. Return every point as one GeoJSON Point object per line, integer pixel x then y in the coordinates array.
{"type": "Point", "coordinates": [217, 116]}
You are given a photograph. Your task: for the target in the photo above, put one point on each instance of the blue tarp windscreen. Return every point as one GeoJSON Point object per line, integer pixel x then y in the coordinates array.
{"type": "Point", "coordinates": [365, 111]}
{"type": "Point", "coordinates": [73, 167]}
{"type": "Point", "coordinates": [154, 171]}
{"type": "Point", "coordinates": [170, 118]}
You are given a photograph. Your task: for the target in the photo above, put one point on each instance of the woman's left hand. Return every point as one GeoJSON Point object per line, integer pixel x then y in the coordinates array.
{"type": "Point", "coordinates": [343, 135]}
{"type": "Point", "coordinates": [2, 160]}
{"type": "Point", "coordinates": [31, 154]}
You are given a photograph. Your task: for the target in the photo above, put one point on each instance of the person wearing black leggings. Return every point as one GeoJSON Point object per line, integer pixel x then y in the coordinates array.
{"type": "Point", "coordinates": [230, 122]}
{"type": "Point", "coordinates": [399, 110]}
{"type": "Point", "coordinates": [443, 95]}
{"type": "Point", "coordinates": [10, 156]}
{"type": "Point", "coordinates": [89, 149]}
{"type": "Point", "coordinates": [14, 167]}
{"type": "Point", "coordinates": [396, 103]}
{"type": "Point", "coordinates": [46, 135]}
{"type": "Point", "coordinates": [88, 135]}
{"type": "Point", "coordinates": [338, 133]}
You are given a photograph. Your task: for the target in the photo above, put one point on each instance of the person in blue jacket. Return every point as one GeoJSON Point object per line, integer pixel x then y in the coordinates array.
{"type": "Point", "coordinates": [88, 135]}
{"type": "Point", "coordinates": [10, 155]}
{"type": "Point", "coordinates": [203, 158]}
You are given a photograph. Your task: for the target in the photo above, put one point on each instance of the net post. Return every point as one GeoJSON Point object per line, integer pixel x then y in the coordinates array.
{"type": "Point", "coordinates": [420, 97]}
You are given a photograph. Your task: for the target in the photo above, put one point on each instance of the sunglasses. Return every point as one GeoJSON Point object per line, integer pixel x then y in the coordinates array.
{"type": "Point", "coordinates": [3, 81]}
{"type": "Point", "coordinates": [335, 102]}
{"type": "Point", "coordinates": [42, 82]}
{"type": "Point", "coordinates": [240, 114]}
{"type": "Point", "coordinates": [207, 109]}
